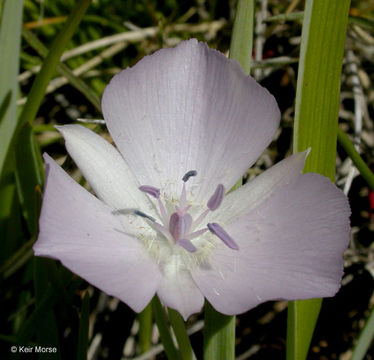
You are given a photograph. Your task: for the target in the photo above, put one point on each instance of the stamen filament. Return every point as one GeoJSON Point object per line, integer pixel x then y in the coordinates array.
{"type": "Point", "coordinates": [195, 234]}
{"type": "Point", "coordinates": [164, 231]}
{"type": "Point", "coordinates": [198, 221]}
{"type": "Point", "coordinates": [182, 201]}
{"type": "Point", "coordinates": [164, 216]}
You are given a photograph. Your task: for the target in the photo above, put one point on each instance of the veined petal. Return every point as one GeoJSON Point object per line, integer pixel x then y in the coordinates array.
{"type": "Point", "coordinates": [178, 291]}
{"type": "Point", "coordinates": [104, 169]}
{"type": "Point", "coordinates": [246, 198]}
{"type": "Point", "coordinates": [291, 247]}
{"type": "Point", "coordinates": [186, 108]}
{"type": "Point", "coordinates": [82, 232]}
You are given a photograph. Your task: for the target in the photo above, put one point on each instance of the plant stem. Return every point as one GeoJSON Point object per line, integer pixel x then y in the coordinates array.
{"type": "Point", "coordinates": [242, 34]}
{"type": "Point", "coordinates": [219, 335]}
{"type": "Point", "coordinates": [163, 328]}
{"type": "Point", "coordinates": [180, 332]}
{"type": "Point", "coordinates": [316, 118]}
{"type": "Point", "coordinates": [145, 328]}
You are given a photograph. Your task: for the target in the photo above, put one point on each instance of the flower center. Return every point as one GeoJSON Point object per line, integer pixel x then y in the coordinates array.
{"type": "Point", "coordinates": [178, 227]}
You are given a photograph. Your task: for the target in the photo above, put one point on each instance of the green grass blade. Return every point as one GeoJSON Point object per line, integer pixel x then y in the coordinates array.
{"type": "Point", "coordinates": [48, 68]}
{"type": "Point", "coordinates": [63, 69]}
{"type": "Point", "coordinates": [362, 21]}
{"type": "Point", "coordinates": [10, 41]}
{"type": "Point", "coordinates": [163, 328]}
{"type": "Point", "coordinates": [318, 86]}
{"type": "Point", "coordinates": [83, 329]}
{"type": "Point", "coordinates": [30, 326]}
{"type": "Point", "coordinates": [10, 221]}
{"type": "Point", "coordinates": [242, 34]}
{"type": "Point", "coordinates": [316, 116]}
{"type": "Point", "coordinates": [29, 175]}
{"type": "Point", "coordinates": [349, 148]}
{"type": "Point", "coordinates": [5, 103]}
{"type": "Point", "coordinates": [242, 41]}
{"type": "Point", "coordinates": [219, 335]}
{"type": "Point", "coordinates": [29, 168]}
{"type": "Point", "coordinates": [365, 339]}
{"type": "Point", "coordinates": [17, 259]}
{"type": "Point", "coordinates": [180, 332]}
{"type": "Point", "coordinates": [145, 329]}
{"type": "Point", "coordinates": [301, 320]}
{"type": "Point", "coordinates": [47, 329]}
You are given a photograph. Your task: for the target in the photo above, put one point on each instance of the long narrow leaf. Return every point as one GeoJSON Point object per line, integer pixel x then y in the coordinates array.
{"type": "Point", "coordinates": [163, 328]}
{"type": "Point", "coordinates": [83, 329]}
{"type": "Point", "coordinates": [349, 148]}
{"type": "Point", "coordinates": [28, 158]}
{"type": "Point", "coordinates": [145, 328]}
{"type": "Point", "coordinates": [46, 329]}
{"type": "Point", "coordinates": [11, 233]}
{"type": "Point", "coordinates": [316, 116]}
{"type": "Point", "coordinates": [29, 175]}
{"type": "Point", "coordinates": [39, 86]}
{"type": "Point", "coordinates": [30, 326]}
{"type": "Point", "coordinates": [242, 34]}
{"type": "Point", "coordinates": [180, 332]}
{"type": "Point", "coordinates": [219, 335]}
{"type": "Point", "coordinates": [365, 339]}
{"type": "Point", "coordinates": [63, 69]}
{"type": "Point", "coordinates": [10, 41]}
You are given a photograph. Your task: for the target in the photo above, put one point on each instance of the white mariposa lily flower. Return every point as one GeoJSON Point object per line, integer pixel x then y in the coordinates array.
{"type": "Point", "coordinates": [188, 123]}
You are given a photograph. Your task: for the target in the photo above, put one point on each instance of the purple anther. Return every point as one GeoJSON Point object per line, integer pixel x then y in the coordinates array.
{"type": "Point", "coordinates": [189, 174]}
{"type": "Point", "coordinates": [216, 199]}
{"type": "Point", "coordinates": [179, 225]}
{"type": "Point", "coordinates": [150, 190]}
{"type": "Point", "coordinates": [186, 244]}
{"type": "Point", "coordinates": [217, 230]}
